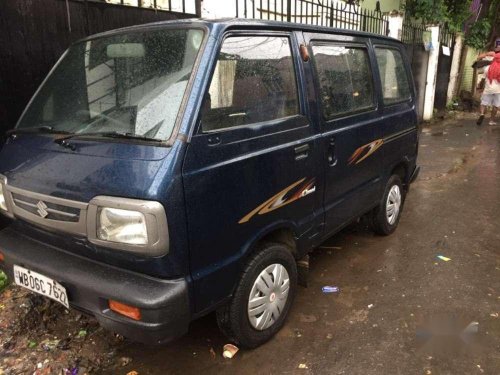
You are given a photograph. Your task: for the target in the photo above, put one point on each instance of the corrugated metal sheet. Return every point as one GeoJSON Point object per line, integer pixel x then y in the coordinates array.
{"type": "Point", "coordinates": [467, 76]}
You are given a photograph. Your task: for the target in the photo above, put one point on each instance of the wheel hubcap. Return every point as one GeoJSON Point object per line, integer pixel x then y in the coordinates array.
{"type": "Point", "coordinates": [268, 296]}
{"type": "Point", "coordinates": [393, 204]}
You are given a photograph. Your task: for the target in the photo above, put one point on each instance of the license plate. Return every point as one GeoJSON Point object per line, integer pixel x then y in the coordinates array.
{"type": "Point", "coordinates": [41, 284]}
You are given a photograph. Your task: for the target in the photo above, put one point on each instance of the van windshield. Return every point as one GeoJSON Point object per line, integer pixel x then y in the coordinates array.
{"type": "Point", "coordinates": [131, 83]}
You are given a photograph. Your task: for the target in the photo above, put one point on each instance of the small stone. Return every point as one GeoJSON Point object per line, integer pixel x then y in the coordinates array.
{"type": "Point", "coordinates": [124, 361]}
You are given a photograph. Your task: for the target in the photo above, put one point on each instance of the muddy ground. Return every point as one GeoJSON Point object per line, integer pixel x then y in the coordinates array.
{"type": "Point", "coordinates": [400, 309]}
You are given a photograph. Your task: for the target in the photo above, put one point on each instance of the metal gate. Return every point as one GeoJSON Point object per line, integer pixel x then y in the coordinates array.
{"type": "Point", "coordinates": [412, 37]}
{"type": "Point", "coordinates": [447, 40]}
{"type": "Point", "coordinates": [315, 12]}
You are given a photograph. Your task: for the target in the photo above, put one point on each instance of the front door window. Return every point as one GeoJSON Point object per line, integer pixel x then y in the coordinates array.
{"type": "Point", "coordinates": [253, 82]}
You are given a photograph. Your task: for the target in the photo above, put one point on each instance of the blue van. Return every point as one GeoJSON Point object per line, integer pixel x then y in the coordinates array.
{"type": "Point", "coordinates": [165, 171]}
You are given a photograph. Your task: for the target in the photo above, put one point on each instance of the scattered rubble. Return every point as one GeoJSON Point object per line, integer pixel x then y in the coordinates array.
{"type": "Point", "coordinates": [40, 337]}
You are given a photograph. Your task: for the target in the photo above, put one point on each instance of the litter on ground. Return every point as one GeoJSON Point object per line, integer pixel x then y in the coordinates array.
{"type": "Point", "coordinates": [229, 351]}
{"type": "Point", "coordinates": [330, 289]}
{"type": "Point", "coordinates": [442, 257]}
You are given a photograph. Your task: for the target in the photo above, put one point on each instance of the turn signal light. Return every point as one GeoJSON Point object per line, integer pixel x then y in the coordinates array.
{"type": "Point", "coordinates": [126, 310]}
{"type": "Point", "coordinates": [2, 257]}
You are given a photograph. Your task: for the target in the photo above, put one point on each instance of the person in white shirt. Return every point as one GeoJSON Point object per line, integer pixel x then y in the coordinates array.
{"type": "Point", "coordinates": [491, 93]}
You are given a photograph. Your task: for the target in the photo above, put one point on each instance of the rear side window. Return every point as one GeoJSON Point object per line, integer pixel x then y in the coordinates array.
{"type": "Point", "coordinates": [254, 81]}
{"type": "Point", "coordinates": [395, 86]}
{"type": "Point", "coordinates": [345, 79]}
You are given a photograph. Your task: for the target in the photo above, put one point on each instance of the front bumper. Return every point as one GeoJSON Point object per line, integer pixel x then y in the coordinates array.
{"type": "Point", "coordinates": [164, 304]}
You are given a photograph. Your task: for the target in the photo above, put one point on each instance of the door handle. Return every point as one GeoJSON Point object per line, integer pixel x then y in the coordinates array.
{"type": "Point", "coordinates": [331, 154]}
{"type": "Point", "coordinates": [301, 152]}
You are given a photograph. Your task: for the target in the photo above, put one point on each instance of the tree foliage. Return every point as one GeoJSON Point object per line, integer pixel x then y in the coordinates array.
{"type": "Point", "coordinates": [482, 33]}
{"type": "Point", "coordinates": [452, 13]}
{"type": "Point", "coordinates": [478, 35]}
{"type": "Point", "coordinates": [458, 13]}
{"type": "Point", "coordinates": [3, 280]}
{"type": "Point", "coordinates": [482, 27]}
{"type": "Point", "coordinates": [428, 11]}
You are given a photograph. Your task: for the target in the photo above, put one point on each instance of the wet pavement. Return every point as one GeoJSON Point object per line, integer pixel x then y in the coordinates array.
{"type": "Point", "coordinates": [400, 309]}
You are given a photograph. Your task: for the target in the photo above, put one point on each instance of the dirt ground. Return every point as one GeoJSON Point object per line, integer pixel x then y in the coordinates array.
{"type": "Point", "coordinates": [39, 336]}
{"type": "Point", "coordinates": [400, 308]}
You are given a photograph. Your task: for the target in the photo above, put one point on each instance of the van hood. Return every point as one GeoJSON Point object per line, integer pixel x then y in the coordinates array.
{"type": "Point", "coordinates": [34, 162]}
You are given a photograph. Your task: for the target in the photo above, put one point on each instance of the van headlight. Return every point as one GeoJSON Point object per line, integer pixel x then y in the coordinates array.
{"type": "Point", "coordinates": [3, 203]}
{"type": "Point", "coordinates": [122, 226]}
{"type": "Point", "coordinates": [128, 224]}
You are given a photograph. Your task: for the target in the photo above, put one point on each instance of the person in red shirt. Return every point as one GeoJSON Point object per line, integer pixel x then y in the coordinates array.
{"type": "Point", "coordinates": [491, 93]}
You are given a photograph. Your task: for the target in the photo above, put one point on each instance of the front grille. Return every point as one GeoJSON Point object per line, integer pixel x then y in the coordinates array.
{"type": "Point", "coordinates": [46, 209]}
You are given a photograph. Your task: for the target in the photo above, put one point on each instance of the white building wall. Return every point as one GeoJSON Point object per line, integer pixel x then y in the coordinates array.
{"type": "Point", "coordinates": [163, 4]}
{"type": "Point", "coordinates": [219, 8]}
{"type": "Point", "coordinates": [227, 8]}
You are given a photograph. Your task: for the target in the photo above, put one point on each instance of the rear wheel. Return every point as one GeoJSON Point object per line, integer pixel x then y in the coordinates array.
{"type": "Point", "coordinates": [385, 218]}
{"type": "Point", "coordinates": [262, 300]}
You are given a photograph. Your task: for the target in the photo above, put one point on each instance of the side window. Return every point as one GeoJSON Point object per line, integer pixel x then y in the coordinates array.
{"type": "Point", "coordinates": [254, 81]}
{"type": "Point", "coordinates": [345, 79]}
{"type": "Point", "coordinates": [395, 87]}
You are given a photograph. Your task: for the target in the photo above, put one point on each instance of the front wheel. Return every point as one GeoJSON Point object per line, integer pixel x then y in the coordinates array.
{"type": "Point", "coordinates": [262, 300]}
{"type": "Point", "coordinates": [385, 217]}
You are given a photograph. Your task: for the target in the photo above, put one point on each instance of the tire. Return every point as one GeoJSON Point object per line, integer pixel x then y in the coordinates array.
{"type": "Point", "coordinates": [234, 319]}
{"type": "Point", "coordinates": [383, 223]}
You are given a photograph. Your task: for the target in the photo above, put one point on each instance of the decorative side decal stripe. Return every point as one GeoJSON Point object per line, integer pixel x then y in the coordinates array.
{"type": "Point", "coordinates": [286, 196]}
{"type": "Point", "coordinates": [364, 151]}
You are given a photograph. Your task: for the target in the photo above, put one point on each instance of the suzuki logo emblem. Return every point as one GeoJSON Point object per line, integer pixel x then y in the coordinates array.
{"type": "Point", "coordinates": [42, 209]}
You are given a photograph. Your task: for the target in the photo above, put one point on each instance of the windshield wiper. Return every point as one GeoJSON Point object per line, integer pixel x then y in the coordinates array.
{"type": "Point", "coordinates": [63, 141]}
{"type": "Point", "coordinates": [38, 129]}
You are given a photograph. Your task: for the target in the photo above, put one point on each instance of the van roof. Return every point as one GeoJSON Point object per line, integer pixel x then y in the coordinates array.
{"type": "Point", "coordinates": [225, 23]}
